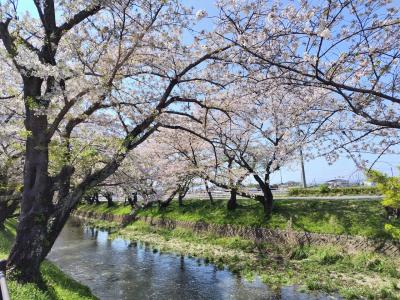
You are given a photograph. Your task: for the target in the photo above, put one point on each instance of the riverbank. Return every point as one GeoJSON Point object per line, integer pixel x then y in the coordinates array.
{"type": "Point", "coordinates": [58, 285]}
{"type": "Point", "coordinates": [345, 217]}
{"type": "Point", "coordinates": [352, 274]}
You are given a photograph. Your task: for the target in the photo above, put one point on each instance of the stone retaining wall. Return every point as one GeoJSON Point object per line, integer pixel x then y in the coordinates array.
{"type": "Point", "coordinates": [121, 219]}
{"type": "Point", "coordinates": [348, 242]}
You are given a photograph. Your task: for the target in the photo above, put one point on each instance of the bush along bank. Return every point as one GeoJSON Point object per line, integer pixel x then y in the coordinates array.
{"type": "Point", "coordinates": [56, 284]}
{"type": "Point", "coordinates": [352, 274]}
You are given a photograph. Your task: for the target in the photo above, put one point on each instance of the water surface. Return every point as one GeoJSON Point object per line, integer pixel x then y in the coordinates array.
{"type": "Point", "coordinates": [118, 269]}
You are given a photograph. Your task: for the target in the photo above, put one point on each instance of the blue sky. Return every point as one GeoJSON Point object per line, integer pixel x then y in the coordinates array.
{"type": "Point", "coordinates": [317, 170]}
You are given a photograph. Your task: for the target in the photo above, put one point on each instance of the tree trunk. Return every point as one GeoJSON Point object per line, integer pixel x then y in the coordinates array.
{"type": "Point", "coordinates": [133, 201]}
{"type": "Point", "coordinates": [180, 199]}
{"type": "Point", "coordinates": [109, 198]}
{"type": "Point", "coordinates": [209, 192]}
{"type": "Point", "coordinates": [164, 204]}
{"type": "Point", "coordinates": [89, 199]}
{"type": "Point", "coordinates": [232, 203]}
{"type": "Point", "coordinates": [96, 198]}
{"type": "Point", "coordinates": [267, 200]}
{"type": "Point", "coordinates": [31, 244]}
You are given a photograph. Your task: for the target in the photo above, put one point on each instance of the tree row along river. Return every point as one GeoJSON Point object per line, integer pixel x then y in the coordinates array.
{"type": "Point", "coordinates": [120, 269]}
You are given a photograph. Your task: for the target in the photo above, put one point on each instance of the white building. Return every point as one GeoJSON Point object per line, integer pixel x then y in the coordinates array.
{"type": "Point", "coordinates": [338, 183]}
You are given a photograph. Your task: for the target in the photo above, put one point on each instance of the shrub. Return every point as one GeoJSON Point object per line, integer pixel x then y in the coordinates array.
{"type": "Point", "coordinates": [390, 188]}
{"type": "Point", "coordinates": [324, 189]}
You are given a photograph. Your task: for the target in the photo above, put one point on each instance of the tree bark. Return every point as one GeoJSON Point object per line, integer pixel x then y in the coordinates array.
{"type": "Point", "coordinates": [36, 207]}
{"type": "Point", "coordinates": [133, 201]}
{"type": "Point", "coordinates": [210, 196]}
{"type": "Point", "coordinates": [166, 203]}
{"type": "Point", "coordinates": [182, 192]}
{"type": "Point", "coordinates": [267, 200]}
{"type": "Point", "coordinates": [96, 198]}
{"type": "Point", "coordinates": [232, 203]}
{"type": "Point", "coordinates": [109, 198]}
{"type": "Point", "coordinates": [180, 199]}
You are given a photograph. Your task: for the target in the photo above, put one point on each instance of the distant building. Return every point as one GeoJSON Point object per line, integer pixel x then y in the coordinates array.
{"type": "Point", "coordinates": [338, 183]}
{"type": "Point", "coordinates": [369, 183]}
{"type": "Point", "coordinates": [289, 184]}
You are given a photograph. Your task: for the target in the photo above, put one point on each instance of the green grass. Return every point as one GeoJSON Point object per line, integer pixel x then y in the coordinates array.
{"type": "Point", "coordinates": [327, 268]}
{"type": "Point", "coordinates": [324, 190]}
{"type": "Point", "coordinates": [117, 209]}
{"type": "Point", "coordinates": [365, 218]}
{"type": "Point", "coordinates": [58, 285]}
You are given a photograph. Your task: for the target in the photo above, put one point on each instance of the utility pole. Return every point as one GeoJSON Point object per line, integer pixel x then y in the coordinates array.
{"type": "Point", "coordinates": [303, 172]}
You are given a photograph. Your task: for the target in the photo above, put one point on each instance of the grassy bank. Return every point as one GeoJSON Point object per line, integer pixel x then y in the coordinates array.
{"type": "Point", "coordinates": [330, 269]}
{"type": "Point", "coordinates": [324, 190]}
{"type": "Point", "coordinates": [59, 285]}
{"type": "Point", "coordinates": [326, 269]}
{"type": "Point", "coordinates": [365, 218]}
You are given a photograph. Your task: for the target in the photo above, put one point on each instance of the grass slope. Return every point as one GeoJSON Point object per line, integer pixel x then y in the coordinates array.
{"type": "Point", "coordinates": [366, 218]}
{"type": "Point", "coordinates": [59, 285]}
{"type": "Point", "coordinates": [329, 269]}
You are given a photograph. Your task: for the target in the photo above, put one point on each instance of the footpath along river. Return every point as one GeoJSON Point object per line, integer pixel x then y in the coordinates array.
{"type": "Point", "coordinates": [119, 269]}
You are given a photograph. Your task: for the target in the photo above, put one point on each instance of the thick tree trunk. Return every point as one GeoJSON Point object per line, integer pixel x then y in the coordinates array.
{"type": "Point", "coordinates": [267, 200]}
{"type": "Point", "coordinates": [32, 243]}
{"type": "Point", "coordinates": [39, 228]}
{"type": "Point", "coordinates": [232, 203]}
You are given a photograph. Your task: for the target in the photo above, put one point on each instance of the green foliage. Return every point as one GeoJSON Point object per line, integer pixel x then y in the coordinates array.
{"type": "Point", "coordinates": [393, 231]}
{"type": "Point", "coordinates": [58, 285]}
{"type": "Point", "coordinates": [325, 190]}
{"type": "Point", "coordinates": [390, 188]}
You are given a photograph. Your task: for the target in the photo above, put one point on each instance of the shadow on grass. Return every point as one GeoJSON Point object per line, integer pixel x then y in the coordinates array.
{"type": "Point", "coordinates": [68, 288]}
{"type": "Point", "coordinates": [351, 217]}
{"type": "Point", "coordinates": [340, 217]}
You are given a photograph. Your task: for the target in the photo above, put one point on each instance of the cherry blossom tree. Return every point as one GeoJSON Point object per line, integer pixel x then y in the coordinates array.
{"type": "Point", "coordinates": [10, 161]}
{"type": "Point", "coordinates": [268, 131]}
{"type": "Point", "coordinates": [98, 76]}
{"type": "Point", "coordinates": [153, 173]}
{"type": "Point", "coordinates": [11, 152]}
{"type": "Point", "coordinates": [349, 48]}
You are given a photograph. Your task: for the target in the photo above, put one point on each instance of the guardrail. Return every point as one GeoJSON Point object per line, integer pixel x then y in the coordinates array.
{"type": "Point", "coordinates": [4, 295]}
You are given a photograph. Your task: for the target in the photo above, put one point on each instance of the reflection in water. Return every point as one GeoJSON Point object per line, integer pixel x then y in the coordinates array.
{"type": "Point", "coordinates": [119, 269]}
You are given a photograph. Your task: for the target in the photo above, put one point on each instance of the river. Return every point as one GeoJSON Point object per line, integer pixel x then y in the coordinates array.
{"type": "Point", "coordinates": [117, 269]}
